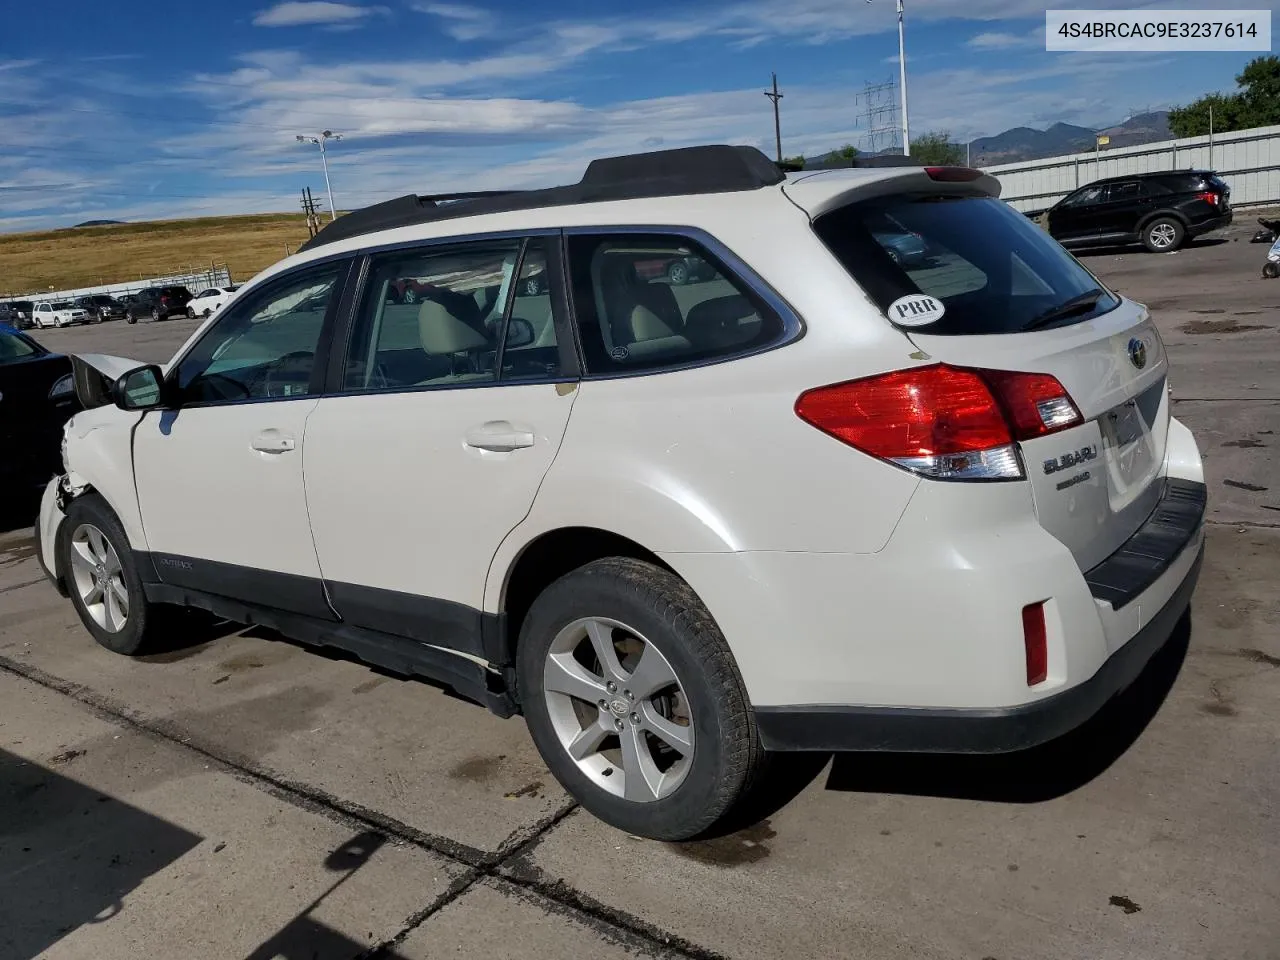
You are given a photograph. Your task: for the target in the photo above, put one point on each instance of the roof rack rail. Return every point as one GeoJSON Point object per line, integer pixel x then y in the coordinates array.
{"type": "Point", "coordinates": [718, 168]}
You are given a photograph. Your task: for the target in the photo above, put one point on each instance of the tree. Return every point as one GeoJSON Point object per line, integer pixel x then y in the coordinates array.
{"type": "Point", "coordinates": [1255, 104]}
{"type": "Point", "coordinates": [845, 153]}
{"type": "Point", "coordinates": [936, 149]}
{"type": "Point", "coordinates": [796, 162]}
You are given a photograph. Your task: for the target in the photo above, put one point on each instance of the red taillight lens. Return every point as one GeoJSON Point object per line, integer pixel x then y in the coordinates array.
{"type": "Point", "coordinates": [1036, 403]}
{"type": "Point", "coordinates": [952, 174]}
{"type": "Point", "coordinates": [1036, 644]}
{"type": "Point", "coordinates": [938, 421]}
{"type": "Point", "coordinates": [943, 422]}
{"type": "Point", "coordinates": [1208, 197]}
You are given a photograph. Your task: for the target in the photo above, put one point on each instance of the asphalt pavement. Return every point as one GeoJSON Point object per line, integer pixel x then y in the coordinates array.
{"type": "Point", "coordinates": [243, 796]}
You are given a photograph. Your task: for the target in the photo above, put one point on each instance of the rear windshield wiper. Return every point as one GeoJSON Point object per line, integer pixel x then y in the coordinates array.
{"type": "Point", "coordinates": [1081, 303]}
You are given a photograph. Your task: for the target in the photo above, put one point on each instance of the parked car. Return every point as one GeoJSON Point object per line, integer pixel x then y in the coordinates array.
{"type": "Point", "coordinates": [102, 307]}
{"type": "Point", "coordinates": [20, 314]}
{"type": "Point", "coordinates": [158, 303]}
{"type": "Point", "coordinates": [59, 313]}
{"type": "Point", "coordinates": [904, 249]}
{"type": "Point", "coordinates": [679, 271]}
{"type": "Point", "coordinates": [37, 396]}
{"type": "Point", "coordinates": [1159, 210]}
{"type": "Point", "coordinates": [818, 503]}
{"type": "Point", "coordinates": [209, 301]}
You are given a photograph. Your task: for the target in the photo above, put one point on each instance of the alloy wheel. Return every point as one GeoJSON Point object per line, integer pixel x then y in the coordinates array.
{"type": "Point", "coordinates": [618, 709]}
{"type": "Point", "coordinates": [1163, 235]}
{"type": "Point", "coordinates": [99, 578]}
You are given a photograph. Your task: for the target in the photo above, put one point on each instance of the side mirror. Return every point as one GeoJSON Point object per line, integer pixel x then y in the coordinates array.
{"type": "Point", "coordinates": [519, 333]}
{"type": "Point", "coordinates": [139, 389]}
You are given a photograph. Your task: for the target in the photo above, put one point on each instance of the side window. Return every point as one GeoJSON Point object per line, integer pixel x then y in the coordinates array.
{"type": "Point", "coordinates": [649, 302]}
{"type": "Point", "coordinates": [434, 316]}
{"type": "Point", "coordinates": [1083, 197]}
{"type": "Point", "coordinates": [530, 349]}
{"type": "Point", "coordinates": [265, 347]}
{"type": "Point", "coordinates": [1119, 192]}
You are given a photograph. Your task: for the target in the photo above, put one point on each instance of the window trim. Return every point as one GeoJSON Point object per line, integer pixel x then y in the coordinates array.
{"type": "Point", "coordinates": [793, 326]}
{"type": "Point", "coordinates": [570, 364]}
{"type": "Point", "coordinates": [319, 370]}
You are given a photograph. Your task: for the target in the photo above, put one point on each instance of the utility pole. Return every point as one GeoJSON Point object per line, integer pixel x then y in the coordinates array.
{"type": "Point", "coordinates": [309, 208]}
{"type": "Point", "coordinates": [320, 140]}
{"type": "Point", "coordinates": [775, 96]}
{"type": "Point", "coordinates": [902, 83]}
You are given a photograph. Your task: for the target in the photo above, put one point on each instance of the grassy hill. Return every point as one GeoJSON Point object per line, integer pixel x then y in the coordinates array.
{"type": "Point", "coordinates": [84, 256]}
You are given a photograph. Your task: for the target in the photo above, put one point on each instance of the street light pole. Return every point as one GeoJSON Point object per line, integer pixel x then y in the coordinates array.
{"type": "Point", "coordinates": [320, 141]}
{"type": "Point", "coordinates": [902, 84]}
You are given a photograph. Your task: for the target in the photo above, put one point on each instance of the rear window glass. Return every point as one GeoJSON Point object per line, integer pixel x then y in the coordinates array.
{"type": "Point", "coordinates": [993, 270]}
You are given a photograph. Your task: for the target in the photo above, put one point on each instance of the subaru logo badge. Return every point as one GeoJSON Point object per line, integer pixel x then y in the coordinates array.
{"type": "Point", "coordinates": [1138, 353]}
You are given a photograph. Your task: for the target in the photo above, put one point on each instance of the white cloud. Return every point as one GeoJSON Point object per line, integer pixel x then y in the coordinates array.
{"type": "Point", "coordinates": [310, 12]}
{"type": "Point", "coordinates": [462, 22]}
{"type": "Point", "coordinates": [994, 41]}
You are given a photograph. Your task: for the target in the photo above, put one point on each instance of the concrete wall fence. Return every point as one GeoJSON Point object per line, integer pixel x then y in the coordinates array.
{"type": "Point", "coordinates": [1248, 160]}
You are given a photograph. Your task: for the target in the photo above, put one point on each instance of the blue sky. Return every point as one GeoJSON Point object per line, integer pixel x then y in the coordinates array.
{"type": "Point", "coordinates": [140, 110]}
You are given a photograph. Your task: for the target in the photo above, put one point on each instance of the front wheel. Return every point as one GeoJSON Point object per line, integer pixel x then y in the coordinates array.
{"type": "Point", "coordinates": [130, 318]}
{"type": "Point", "coordinates": [1163, 235]}
{"type": "Point", "coordinates": [155, 314]}
{"type": "Point", "coordinates": [103, 581]}
{"type": "Point", "coordinates": [191, 314]}
{"type": "Point", "coordinates": [634, 700]}
{"type": "Point", "coordinates": [678, 273]}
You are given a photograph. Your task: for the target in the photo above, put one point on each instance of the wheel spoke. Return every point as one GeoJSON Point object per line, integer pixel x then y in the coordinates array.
{"type": "Point", "coordinates": [641, 775]}
{"type": "Point", "coordinates": [96, 544]}
{"type": "Point", "coordinates": [651, 675]}
{"type": "Point", "coordinates": [83, 553]}
{"type": "Point", "coordinates": [563, 674]}
{"type": "Point", "coordinates": [121, 593]}
{"type": "Point", "coordinates": [588, 741]}
{"type": "Point", "coordinates": [601, 637]}
{"type": "Point", "coordinates": [112, 563]}
{"type": "Point", "coordinates": [115, 619]}
{"type": "Point", "coordinates": [677, 737]}
{"type": "Point", "coordinates": [94, 594]}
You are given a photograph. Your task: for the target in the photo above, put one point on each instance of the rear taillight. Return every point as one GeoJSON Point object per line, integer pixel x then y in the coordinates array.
{"type": "Point", "coordinates": [1036, 643]}
{"type": "Point", "coordinates": [942, 422]}
{"type": "Point", "coordinates": [952, 174]}
{"type": "Point", "coordinates": [1208, 197]}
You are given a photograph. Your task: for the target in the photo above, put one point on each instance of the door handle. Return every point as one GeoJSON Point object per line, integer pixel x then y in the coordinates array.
{"type": "Point", "coordinates": [273, 441]}
{"type": "Point", "coordinates": [498, 436]}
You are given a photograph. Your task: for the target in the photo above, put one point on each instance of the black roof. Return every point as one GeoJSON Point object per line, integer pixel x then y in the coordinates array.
{"type": "Point", "coordinates": [1148, 174]}
{"type": "Point", "coordinates": [662, 173]}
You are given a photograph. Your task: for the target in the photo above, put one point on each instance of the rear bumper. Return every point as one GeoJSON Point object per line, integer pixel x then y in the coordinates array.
{"type": "Point", "coordinates": [1208, 226]}
{"type": "Point", "coordinates": [1000, 730]}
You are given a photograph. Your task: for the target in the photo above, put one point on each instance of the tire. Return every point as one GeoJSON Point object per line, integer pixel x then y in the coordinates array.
{"type": "Point", "coordinates": [678, 273]}
{"type": "Point", "coordinates": [533, 286]}
{"type": "Point", "coordinates": [130, 318]}
{"type": "Point", "coordinates": [895, 256]}
{"type": "Point", "coordinates": [206, 313]}
{"type": "Point", "coordinates": [191, 314]}
{"type": "Point", "coordinates": [155, 315]}
{"type": "Point", "coordinates": [136, 633]}
{"type": "Point", "coordinates": [1271, 270]}
{"type": "Point", "coordinates": [660, 612]}
{"type": "Point", "coordinates": [1163, 235]}
{"type": "Point", "coordinates": [409, 296]}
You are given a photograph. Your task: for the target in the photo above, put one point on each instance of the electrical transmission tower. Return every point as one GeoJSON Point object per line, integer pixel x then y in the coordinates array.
{"type": "Point", "coordinates": [878, 111]}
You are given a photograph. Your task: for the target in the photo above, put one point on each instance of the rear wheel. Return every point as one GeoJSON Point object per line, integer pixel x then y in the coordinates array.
{"type": "Point", "coordinates": [191, 314]}
{"type": "Point", "coordinates": [1271, 270]}
{"type": "Point", "coordinates": [634, 700]}
{"type": "Point", "coordinates": [1163, 235]}
{"type": "Point", "coordinates": [410, 295]}
{"type": "Point", "coordinates": [103, 580]}
{"type": "Point", "coordinates": [678, 273]}
{"type": "Point", "coordinates": [130, 318]}
{"type": "Point", "coordinates": [533, 286]}
{"type": "Point", "coordinates": [155, 313]}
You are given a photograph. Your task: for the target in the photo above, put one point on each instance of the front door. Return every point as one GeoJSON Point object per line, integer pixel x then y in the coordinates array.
{"type": "Point", "coordinates": [219, 473]}
{"type": "Point", "coordinates": [450, 413]}
{"type": "Point", "coordinates": [1075, 219]}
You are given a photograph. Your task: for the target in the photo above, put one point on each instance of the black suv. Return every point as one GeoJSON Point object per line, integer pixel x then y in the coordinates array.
{"type": "Point", "coordinates": [158, 303]}
{"type": "Point", "coordinates": [102, 307]}
{"type": "Point", "coordinates": [1158, 210]}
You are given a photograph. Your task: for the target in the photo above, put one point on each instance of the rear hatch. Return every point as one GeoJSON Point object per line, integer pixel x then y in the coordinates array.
{"type": "Point", "coordinates": [1006, 297]}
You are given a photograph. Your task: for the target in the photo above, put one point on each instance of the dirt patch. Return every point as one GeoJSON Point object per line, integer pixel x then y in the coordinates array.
{"type": "Point", "coordinates": [1200, 327]}
{"type": "Point", "coordinates": [368, 685]}
{"type": "Point", "coordinates": [1125, 904]}
{"type": "Point", "coordinates": [1257, 656]}
{"type": "Point", "coordinates": [17, 552]}
{"type": "Point", "coordinates": [736, 850]}
{"type": "Point", "coordinates": [243, 662]}
{"type": "Point", "coordinates": [1246, 444]}
{"type": "Point", "coordinates": [532, 790]}
{"type": "Point", "coordinates": [66, 756]}
{"type": "Point", "coordinates": [1241, 485]}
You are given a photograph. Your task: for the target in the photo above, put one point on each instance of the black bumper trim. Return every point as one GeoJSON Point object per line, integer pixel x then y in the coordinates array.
{"type": "Point", "coordinates": [1145, 556]}
{"type": "Point", "coordinates": [998, 730]}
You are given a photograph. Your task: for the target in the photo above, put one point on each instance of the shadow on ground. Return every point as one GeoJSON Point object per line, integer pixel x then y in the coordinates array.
{"type": "Point", "coordinates": [69, 855]}
{"type": "Point", "coordinates": [1139, 250]}
{"type": "Point", "coordinates": [1028, 776]}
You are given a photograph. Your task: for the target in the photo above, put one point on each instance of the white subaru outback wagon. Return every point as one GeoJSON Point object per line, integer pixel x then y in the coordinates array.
{"type": "Point", "coordinates": [823, 496]}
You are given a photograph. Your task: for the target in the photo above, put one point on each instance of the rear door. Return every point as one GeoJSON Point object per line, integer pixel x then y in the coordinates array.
{"type": "Point", "coordinates": [1122, 208]}
{"type": "Point", "coordinates": [441, 422]}
{"type": "Point", "coordinates": [1014, 300]}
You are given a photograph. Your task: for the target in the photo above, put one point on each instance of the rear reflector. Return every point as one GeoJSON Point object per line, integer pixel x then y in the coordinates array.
{"type": "Point", "coordinates": [1033, 637]}
{"type": "Point", "coordinates": [952, 174]}
{"type": "Point", "coordinates": [942, 422]}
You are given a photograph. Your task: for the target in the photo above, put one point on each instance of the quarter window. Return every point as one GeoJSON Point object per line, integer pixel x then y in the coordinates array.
{"type": "Point", "coordinates": [265, 347]}
{"type": "Point", "coordinates": [652, 302]}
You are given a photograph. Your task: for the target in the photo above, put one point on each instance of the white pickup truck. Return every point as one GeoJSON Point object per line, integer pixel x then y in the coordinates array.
{"type": "Point", "coordinates": [60, 313]}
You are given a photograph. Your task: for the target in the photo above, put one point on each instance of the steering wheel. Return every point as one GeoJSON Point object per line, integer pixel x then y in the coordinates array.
{"type": "Point", "coordinates": [299, 361]}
